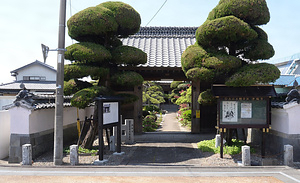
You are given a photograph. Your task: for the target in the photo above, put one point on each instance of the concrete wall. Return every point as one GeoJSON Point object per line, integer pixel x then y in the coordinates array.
{"type": "Point", "coordinates": [4, 133]}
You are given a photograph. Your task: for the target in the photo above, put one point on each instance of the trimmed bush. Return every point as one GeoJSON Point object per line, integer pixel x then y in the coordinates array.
{"type": "Point", "coordinates": [127, 18]}
{"type": "Point", "coordinates": [223, 32]}
{"type": "Point", "coordinates": [254, 12]}
{"type": "Point", "coordinates": [128, 78]}
{"type": "Point", "coordinates": [193, 56]}
{"type": "Point", "coordinates": [254, 74]}
{"type": "Point", "coordinates": [73, 71]}
{"type": "Point", "coordinates": [206, 98]}
{"type": "Point", "coordinates": [92, 24]}
{"type": "Point", "coordinates": [84, 97]}
{"type": "Point", "coordinates": [201, 74]}
{"type": "Point", "coordinates": [129, 55]}
{"type": "Point", "coordinates": [87, 53]}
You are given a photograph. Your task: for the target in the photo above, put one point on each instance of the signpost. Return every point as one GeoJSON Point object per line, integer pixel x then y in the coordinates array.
{"type": "Point", "coordinates": [109, 116]}
{"type": "Point", "coordinates": [244, 107]}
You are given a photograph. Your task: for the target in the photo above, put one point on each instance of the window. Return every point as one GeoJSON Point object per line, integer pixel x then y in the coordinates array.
{"type": "Point", "coordinates": [34, 78]}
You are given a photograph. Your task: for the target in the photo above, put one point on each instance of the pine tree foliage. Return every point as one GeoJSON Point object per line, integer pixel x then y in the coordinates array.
{"type": "Point", "coordinates": [229, 44]}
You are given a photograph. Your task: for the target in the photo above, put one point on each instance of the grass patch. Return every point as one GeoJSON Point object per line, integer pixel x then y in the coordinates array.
{"type": "Point", "coordinates": [209, 146]}
{"type": "Point", "coordinates": [81, 150]}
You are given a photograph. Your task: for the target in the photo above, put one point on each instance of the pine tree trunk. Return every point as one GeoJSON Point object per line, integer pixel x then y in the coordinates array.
{"type": "Point", "coordinates": [90, 136]}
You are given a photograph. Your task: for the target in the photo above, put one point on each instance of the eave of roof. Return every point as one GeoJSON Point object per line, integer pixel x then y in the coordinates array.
{"type": "Point", "coordinates": [30, 85]}
{"type": "Point", "coordinates": [34, 63]}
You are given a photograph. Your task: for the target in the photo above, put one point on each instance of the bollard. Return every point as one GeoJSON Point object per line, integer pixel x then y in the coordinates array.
{"type": "Point", "coordinates": [246, 161]}
{"type": "Point", "coordinates": [112, 143]}
{"type": "Point", "coordinates": [74, 155]}
{"type": "Point", "coordinates": [218, 140]}
{"type": "Point", "coordinates": [288, 155]}
{"type": "Point", "coordinates": [26, 154]}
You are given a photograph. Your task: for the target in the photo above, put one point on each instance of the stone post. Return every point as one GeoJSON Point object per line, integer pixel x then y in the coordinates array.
{"type": "Point", "coordinates": [218, 140]}
{"type": "Point", "coordinates": [288, 155]}
{"type": "Point", "coordinates": [26, 154]}
{"type": "Point", "coordinates": [129, 131]}
{"type": "Point", "coordinates": [74, 155]}
{"type": "Point", "coordinates": [112, 143]}
{"type": "Point", "coordinates": [246, 161]}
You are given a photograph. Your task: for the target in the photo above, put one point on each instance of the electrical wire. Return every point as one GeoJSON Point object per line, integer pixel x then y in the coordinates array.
{"type": "Point", "coordinates": [156, 13]}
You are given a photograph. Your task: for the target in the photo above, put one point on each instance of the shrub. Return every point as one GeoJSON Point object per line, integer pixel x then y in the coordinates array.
{"type": "Point", "coordinates": [235, 148]}
{"type": "Point", "coordinates": [149, 123]}
{"type": "Point", "coordinates": [151, 108]}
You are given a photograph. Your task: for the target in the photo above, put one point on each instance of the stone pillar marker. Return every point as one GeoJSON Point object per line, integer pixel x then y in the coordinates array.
{"type": "Point", "coordinates": [26, 154]}
{"type": "Point", "coordinates": [74, 155]}
{"type": "Point", "coordinates": [112, 144]}
{"type": "Point", "coordinates": [288, 155]}
{"type": "Point", "coordinates": [218, 140]}
{"type": "Point", "coordinates": [246, 161]}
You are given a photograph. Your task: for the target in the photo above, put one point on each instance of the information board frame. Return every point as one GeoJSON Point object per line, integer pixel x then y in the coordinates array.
{"type": "Point", "coordinates": [243, 117]}
{"type": "Point", "coordinates": [244, 114]}
{"type": "Point", "coordinates": [109, 110]}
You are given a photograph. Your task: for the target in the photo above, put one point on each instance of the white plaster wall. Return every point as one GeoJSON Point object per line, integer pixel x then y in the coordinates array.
{"type": "Point", "coordinates": [37, 70]}
{"type": "Point", "coordinates": [286, 120]}
{"type": "Point", "coordinates": [42, 120]}
{"type": "Point", "coordinates": [4, 133]}
{"type": "Point", "coordinates": [19, 120]}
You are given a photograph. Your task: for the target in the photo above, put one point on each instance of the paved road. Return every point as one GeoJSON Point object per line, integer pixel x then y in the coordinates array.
{"type": "Point", "coordinates": [163, 174]}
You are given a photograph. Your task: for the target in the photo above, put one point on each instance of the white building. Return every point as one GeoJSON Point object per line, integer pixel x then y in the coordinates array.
{"type": "Point", "coordinates": [38, 78]}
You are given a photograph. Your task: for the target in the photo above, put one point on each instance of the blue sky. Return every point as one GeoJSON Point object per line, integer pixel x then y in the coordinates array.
{"type": "Point", "coordinates": [27, 24]}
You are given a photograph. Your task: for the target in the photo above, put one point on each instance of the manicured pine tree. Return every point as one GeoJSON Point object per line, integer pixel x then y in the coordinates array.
{"type": "Point", "coordinates": [229, 44]}
{"type": "Point", "coordinates": [98, 54]}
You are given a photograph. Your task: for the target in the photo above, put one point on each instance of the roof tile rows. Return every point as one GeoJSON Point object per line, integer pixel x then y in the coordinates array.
{"type": "Point", "coordinates": [163, 45]}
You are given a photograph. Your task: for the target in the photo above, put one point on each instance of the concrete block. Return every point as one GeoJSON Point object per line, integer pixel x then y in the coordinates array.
{"type": "Point", "coordinates": [288, 158]}
{"type": "Point", "coordinates": [246, 160]}
{"type": "Point", "coordinates": [74, 155]}
{"type": "Point", "coordinates": [26, 154]}
{"type": "Point", "coordinates": [100, 162]}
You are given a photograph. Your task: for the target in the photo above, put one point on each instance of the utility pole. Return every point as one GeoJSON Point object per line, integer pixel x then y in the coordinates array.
{"type": "Point", "coordinates": [59, 99]}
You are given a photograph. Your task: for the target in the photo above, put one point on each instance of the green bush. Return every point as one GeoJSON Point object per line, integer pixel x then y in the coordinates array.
{"type": "Point", "coordinates": [209, 146]}
{"type": "Point", "coordinates": [128, 78]}
{"type": "Point", "coordinates": [149, 123]}
{"type": "Point", "coordinates": [151, 108]}
{"type": "Point", "coordinates": [186, 119]}
{"type": "Point", "coordinates": [254, 74]}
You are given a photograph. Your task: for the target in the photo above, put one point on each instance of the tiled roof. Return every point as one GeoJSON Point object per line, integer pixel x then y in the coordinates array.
{"type": "Point", "coordinates": [163, 45]}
